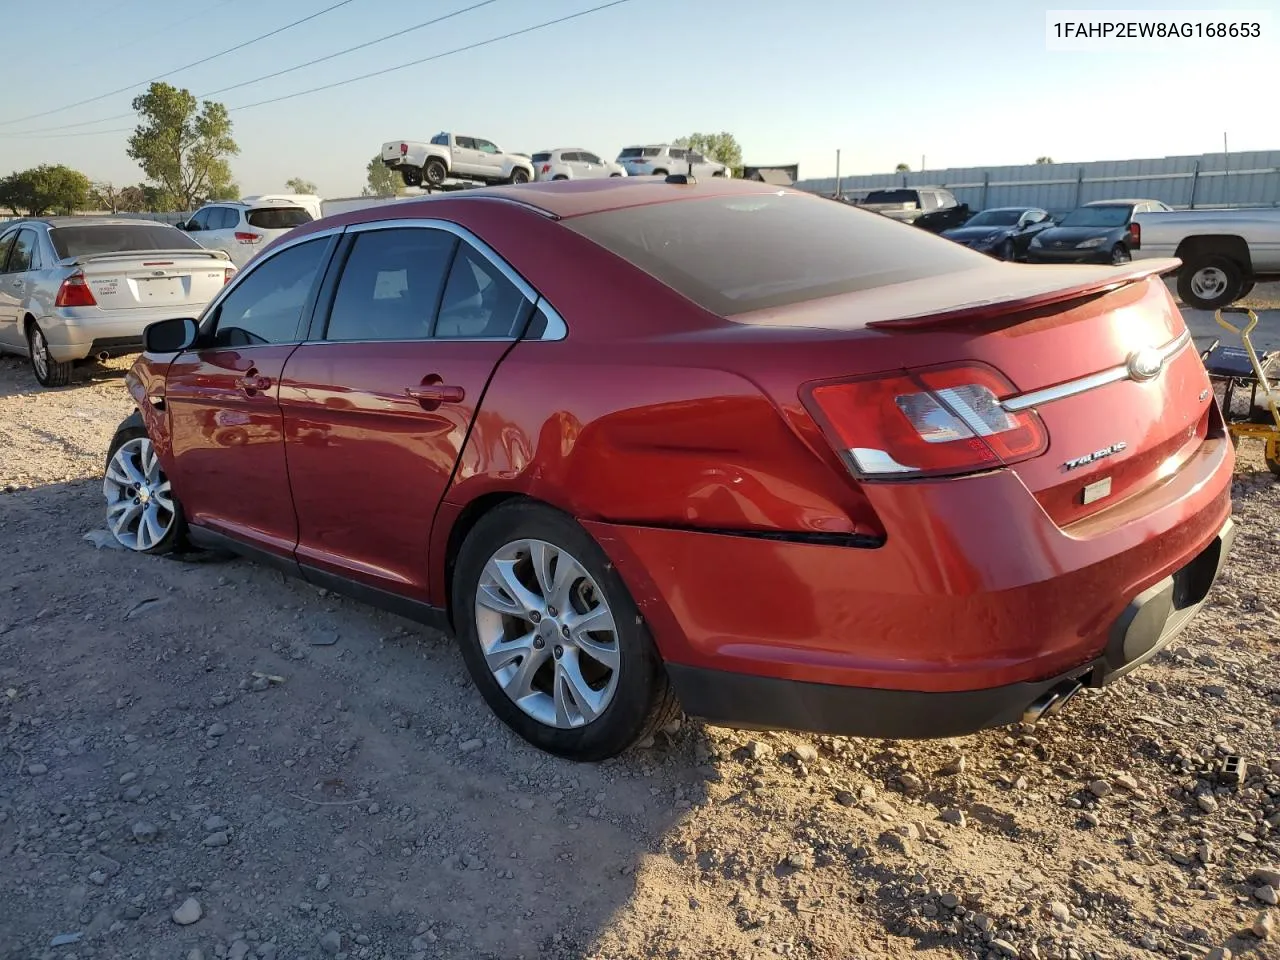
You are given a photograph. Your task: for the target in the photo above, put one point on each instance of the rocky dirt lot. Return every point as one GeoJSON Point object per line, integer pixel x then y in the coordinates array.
{"type": "Point", "coordinates": [205, 760]}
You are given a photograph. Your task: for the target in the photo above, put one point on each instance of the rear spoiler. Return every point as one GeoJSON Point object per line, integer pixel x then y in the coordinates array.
{"type": "Point", "coordinates": [145, 254]}
{"type": "Point", "coordinates": [1107, 280]}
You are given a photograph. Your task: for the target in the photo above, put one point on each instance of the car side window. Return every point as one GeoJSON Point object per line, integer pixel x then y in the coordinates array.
{"type": "Point", "coordinates": [479, 302]}
{"type": "Point", "coordinates": [928, 200]}
{"type": "Point", "coordinates": [945, 201]}
{"type": "Point", "coordinates": [23, 248]}
{"type": "Point", "coordinates": [266, 306]}
{"type": "Point", "coordinates": [6, 244]}
{"type": "Point", "coordinates": [486, 147]}
{"type": "Point", "coordinates": [391, 285]}
{"type": "Point", "coordinates": [440, 140]}
{"type": "Point", "coordinates": [224, 218]}
{"type": "Point", "coordinates": [199, 220]}
{"type": "Point", "coordinates": [589, 158]}
{"type": "Point", "coordinates": [466, 143]}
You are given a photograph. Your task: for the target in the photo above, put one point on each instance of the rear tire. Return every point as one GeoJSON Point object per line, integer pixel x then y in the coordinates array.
{"type": "Point", "coordinates": [434, 172]}
{"type": "Point", "coordinates": [48, 371]}
{"type": "Point", "coordinates": [1008, 251]}
{"type": "Point", "coordinates": [1210, 282]}
{"type": "Point", "coordinates": [412, 176]}
{"type": "Point", "coordinates": [1120, 254]}
{"type": "Point", "coordinates": [583, 695]}
{"type": "Point", "coordinates": [519, 175]}
{"type": "Point", "coordinates": [612, 175]}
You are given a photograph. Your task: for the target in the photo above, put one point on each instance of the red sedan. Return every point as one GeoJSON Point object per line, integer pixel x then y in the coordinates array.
{"type": "Point", "coordinates": [643, 442]}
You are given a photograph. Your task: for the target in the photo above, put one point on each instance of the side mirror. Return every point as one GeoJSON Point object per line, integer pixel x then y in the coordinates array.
{"type": "Point", "coordinates": [170, 336]}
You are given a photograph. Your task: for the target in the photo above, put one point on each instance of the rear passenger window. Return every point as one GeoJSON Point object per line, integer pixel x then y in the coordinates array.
{"type": "Point", "coordinates": [391, 285]}
{"type": "Point", "coordinates": [6, 244]}
{"type": "Point", "coordinates": [23, 251]}
{"type": "Point", "coordinates": [479, 302]}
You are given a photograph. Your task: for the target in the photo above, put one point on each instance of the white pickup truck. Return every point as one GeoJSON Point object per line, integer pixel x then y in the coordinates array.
{"type": "Point", "coordinates": [450, 156]}
{"type": "Point", "coordinates": [1223, 252]}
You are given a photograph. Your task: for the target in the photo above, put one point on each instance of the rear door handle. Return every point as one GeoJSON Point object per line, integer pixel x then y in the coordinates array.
{"type": "Point", "coordinates": [431, 395]}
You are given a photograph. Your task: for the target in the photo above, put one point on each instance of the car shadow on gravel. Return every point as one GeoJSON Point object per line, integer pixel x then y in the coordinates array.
{"type": "Point", "coordinates": [19, 381]}
{"type": "Point", "coordinates": [303, 766]}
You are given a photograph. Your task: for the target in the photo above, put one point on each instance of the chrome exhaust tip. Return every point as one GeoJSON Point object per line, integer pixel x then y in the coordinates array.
{"type": "Point", "coordinates": [103, 357]}
{"type": "Point", "coordinates": [1051, 702]}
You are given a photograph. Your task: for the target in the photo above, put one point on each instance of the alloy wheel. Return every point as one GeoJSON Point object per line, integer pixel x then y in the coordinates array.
{"type": "Point", "coordinates": [39, 352]}
{"type": "Point", "coordinates": [547, 634]}
{"type": "Point", "coordinates": [140, 509]}
{"type": "Point", "coordinates": [1209, 283]}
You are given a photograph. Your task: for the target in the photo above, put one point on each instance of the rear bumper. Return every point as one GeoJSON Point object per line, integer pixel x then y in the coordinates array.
{"type": "Point", "coordinates": [1100, 254]}
{"type": "Point", "coordinates": [75, 338]}
{"type": "Point", "coordinates": [1149, 622]}
{"type": "Point", "coordinates": [976, 596]}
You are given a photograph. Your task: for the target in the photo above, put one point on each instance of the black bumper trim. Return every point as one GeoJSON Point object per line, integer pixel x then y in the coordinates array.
{"type": "Point", "coordinates": [747, 701]}
{"type": "Point", "coordinates": [116, 346]}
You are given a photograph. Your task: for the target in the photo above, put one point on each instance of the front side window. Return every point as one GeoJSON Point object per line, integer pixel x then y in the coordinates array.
{"type": "Point", "coordinates": [589, 158]}
{"type": "Point", "coordinates": [266, 306]}
{"type": "Point", "coordinates": [225, 218]}
{"type": "Point", "coordinates": [484, 146]}
{"type": "Point", "coordinates": [391, 285]}
{"type": "Point", "coordinates": [465, 143]}
{"type": "Point", "coordinates": [6, 244]}
{"type": "Point", "coordinates": [479, 302]}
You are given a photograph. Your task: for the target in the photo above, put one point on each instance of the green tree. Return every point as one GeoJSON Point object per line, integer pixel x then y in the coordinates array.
{"type": "Point", "coordinates": [45, 189]}
{"type": "Point", "coordinates": [1044, 159]}
{"type": "Point", "coordinates": [131, 200]}
{"type": "Point", "coordinates": [723, 147]}
{"type": "Point", "coordinates": [298, 185]}
{"type": "Point", "coordinates": [902, 168]}
{"type": "Point", "coordinates": [380, 180]}
{"type": "Point", "coordinates": [183, 147]}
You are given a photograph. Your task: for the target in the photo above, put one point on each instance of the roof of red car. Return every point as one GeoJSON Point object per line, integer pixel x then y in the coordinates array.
{"type": "Point", "coordinates": [572, 198]}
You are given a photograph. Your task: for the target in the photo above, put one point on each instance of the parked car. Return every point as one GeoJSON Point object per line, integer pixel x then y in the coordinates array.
{"type": "Point", "coordinates": [1003, 232]}
{"type": "Point", "coordinates": [932, 208]}
{"type": "Point", "coordinates": [1103, 231]}
{"type": "Point", "coordinates": [573, 163]}
{"type": "Point", "coordinates": [454, 156]}
{"type": "Point", "coordinates": [661, 159]}
{"type": "Point", "coordinates": [1223, 252]}
{"type": "Point", "coordinates": [73, 288]}
{"type": "Point", "coordinates": [640, 440]}
{"type": "Point", "coordinates": [243, 228]}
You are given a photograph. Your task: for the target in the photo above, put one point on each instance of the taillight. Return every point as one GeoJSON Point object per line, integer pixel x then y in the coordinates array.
{"type": "Point", "coordinates": [1135, 235]}
{"type": "Point", "coordinates": [228, 274]}
{"type": "Point", "coordinates": [248, 237]}
{"type": "Point", "coordinates": [933, 422]}
{"type": "Point", "coordinates": [546, 168]}
{"type": "Point", "coordinates": [404, 149]}
{"type": "Point", "coordinates": [75, 292]}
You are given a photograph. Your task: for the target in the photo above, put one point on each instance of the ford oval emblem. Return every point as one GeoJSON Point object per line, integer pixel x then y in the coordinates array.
{"type": "Point", "coordinates": [1145, 364]}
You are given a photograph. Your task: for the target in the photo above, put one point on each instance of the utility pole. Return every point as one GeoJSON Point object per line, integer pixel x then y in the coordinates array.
{"type": "Point", "coordinates": [838, 174]}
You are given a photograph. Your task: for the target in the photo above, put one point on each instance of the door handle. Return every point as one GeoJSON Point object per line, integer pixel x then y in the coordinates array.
{"type": "Point", "coordinates": [252, 382]}
{"type": "Point", "coordinates": [432, 394]}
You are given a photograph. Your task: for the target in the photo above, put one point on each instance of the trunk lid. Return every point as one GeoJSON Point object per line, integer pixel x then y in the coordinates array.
{"type": "Point", "coordinates": [158, 279]}
{"type": "Point", "coordinates": [1102, 356]}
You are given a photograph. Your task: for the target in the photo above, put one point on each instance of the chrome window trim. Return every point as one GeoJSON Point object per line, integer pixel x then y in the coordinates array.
{"type": "Point", "coordinates": [1093, 381]}
{"type": "Point", "coordinates": [556, 327]}
{"type": "Point", "coordinates": [480, 194]}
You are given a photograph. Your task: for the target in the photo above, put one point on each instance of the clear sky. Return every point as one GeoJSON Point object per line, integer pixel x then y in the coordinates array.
{"type": "Point", "coordinates": [960, 83]}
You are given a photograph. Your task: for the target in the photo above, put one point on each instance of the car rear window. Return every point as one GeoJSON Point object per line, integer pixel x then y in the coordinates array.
{"type": "Point", "coordinates": [92, 239]}
{"type": "Point", "coordinates": [540, 157]}
{"type": "Point", "coordinates": [736, 254]}
{"type": "Point", "coordinates": [892, 196]}
{"type": "Point", "coordinates": [278, 218]}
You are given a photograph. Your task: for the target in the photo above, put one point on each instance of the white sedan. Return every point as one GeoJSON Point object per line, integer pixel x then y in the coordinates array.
{"type": "Point", "coordinates": [573, 163]}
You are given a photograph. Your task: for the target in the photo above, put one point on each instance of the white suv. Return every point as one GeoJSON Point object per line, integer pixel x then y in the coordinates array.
{"type": "Point", "coordinates": [662, 158]}
{"type": "Point", "coordinates": [573, 163]}
{"type": "Point", "coordinates": [243, 228]}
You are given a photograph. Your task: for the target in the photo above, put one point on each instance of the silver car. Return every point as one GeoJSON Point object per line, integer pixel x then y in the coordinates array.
{"type": "Point", "coordinates": [79, 287]}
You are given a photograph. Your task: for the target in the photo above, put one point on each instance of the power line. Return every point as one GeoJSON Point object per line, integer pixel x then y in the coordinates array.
{"type": "Point", "coordinates": [436, 56]}
{"type": "Point", "coordinates": [269, 76]}
{"type": "Point", "coordinates": [203, 60]}
{"type": "Point", "coordinates": [365, 76]}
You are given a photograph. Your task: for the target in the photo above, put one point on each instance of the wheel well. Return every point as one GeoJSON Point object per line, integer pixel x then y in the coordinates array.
{"type": "Point", "coordinates": [465, 523]}
{"type": "Point", "coordinates": [27, 321]}
{"type": "Point", "coordinates": [1231, 247]}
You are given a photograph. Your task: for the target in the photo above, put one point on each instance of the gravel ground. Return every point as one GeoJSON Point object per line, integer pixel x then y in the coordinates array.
{"type": "Point", "coordinates": [206, 760]}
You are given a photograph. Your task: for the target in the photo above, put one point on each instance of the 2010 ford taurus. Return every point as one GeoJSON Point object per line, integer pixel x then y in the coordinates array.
{"type": "Point", "coordinates": [648, 443]}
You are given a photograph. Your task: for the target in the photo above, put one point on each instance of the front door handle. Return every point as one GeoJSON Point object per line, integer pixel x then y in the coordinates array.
{"type": "Point", "coordinates": [432, 394]}
{"type": "Point", "coordinates": [252, 383]}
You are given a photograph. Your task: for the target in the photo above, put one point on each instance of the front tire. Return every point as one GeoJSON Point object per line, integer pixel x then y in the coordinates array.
{"type": "Point", "coordinates": [1208, 283]}
{"type": "Point", "coordinates": [552, 637]}
{"type": "Point", "coordinates": [1008, 251]}
{"type": "Point", "coordinates": [142, 513]}
{"type": "Point", "coordinates": [48, 371]}
{"type": "Point", "coordinates": [519, 175]}
{"type": "Point", "coordinates": [1120, 255]}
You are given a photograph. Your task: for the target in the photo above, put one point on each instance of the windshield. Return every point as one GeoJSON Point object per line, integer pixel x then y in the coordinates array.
{"type": "Point", "coordinates": [1097, 217]}
{"type": "Point", "coordinates": [89, 240]}
{"type": "Point", "coordinates": [892, 196]}
{"type": "Point", "coordinates": [995, 218]}
{"type": "Point", "coordinates": [278, 218]}
{"type": "Point", "coordinates": [735, 254]}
